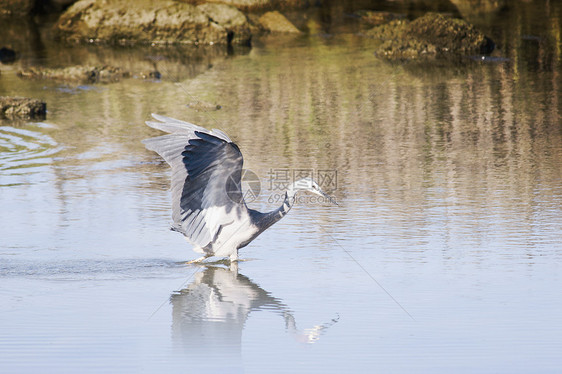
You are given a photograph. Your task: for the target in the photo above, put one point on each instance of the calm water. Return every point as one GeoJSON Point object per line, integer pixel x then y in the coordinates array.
{"type": "Point", "coordinates": [444, 255]}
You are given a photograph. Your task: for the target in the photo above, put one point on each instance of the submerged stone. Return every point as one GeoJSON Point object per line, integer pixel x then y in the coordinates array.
{"type": "Point", "coordinates": [78, 74]}
{"type": "Point", "coordinates": [22, 107]}
{"type": "Point", "coordinates": [203, 106]}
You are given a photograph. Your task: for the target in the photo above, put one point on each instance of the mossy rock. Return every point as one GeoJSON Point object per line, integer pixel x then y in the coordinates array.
{"type": "Point", "coordinates": [22, 107]}
{"type": "Point", "coordinates": [431, 35]}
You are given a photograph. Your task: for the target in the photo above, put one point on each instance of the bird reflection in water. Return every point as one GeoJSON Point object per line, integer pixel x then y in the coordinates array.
{"type": "Point", "coordinates": [209, 315]}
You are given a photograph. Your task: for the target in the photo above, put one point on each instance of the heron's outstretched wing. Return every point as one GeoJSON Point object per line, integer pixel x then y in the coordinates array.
{"type": "Point", "coordinates": [206, 173]}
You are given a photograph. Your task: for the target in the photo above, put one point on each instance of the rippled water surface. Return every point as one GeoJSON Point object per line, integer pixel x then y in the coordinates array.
{"type": "Point", "coordinates": [444, 254]}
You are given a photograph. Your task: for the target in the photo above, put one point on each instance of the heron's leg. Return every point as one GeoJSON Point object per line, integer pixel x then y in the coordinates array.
{"type": "Point", "coordinates": [233, 267]}
{"type": "Point", "coordinates": [233, 257]}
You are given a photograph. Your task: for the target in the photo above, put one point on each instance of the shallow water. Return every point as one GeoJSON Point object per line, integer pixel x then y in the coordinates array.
{"type": "Point", "coordinates": [444, 254]}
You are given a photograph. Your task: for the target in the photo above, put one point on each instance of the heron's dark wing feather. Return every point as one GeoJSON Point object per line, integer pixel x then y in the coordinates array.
{"type": "Point", "coordinates": [206, 174]}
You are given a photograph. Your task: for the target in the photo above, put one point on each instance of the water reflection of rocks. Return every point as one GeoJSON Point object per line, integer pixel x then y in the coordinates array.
{"type": "Point", "coordinates": [209, 315]}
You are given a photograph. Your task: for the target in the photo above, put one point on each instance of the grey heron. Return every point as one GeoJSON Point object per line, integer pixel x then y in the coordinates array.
{"type": "Point", "coordinates": [208, 207]}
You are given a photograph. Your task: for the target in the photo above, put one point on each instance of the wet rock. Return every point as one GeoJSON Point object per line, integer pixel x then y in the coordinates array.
{"type": "Point", "coordinates": [256, 5]}
{"type": "Point", "coordinates": [77, 74]}
{"type": "Point", "coordinates": [224, 15]}
{"type": "Point", "coordinates": [7, 55]}
{"type": "Point", "coordinates": [245, 4]}
{"type": "Point", "coordinates": [428, 36]}
{"type": "Point", "coordinates": [276, 22]}
{"type": "Point", "coordinates": [376, 18]}
{"type": "Point", "coordinates": [233, 21]}
{"type": "Point", "coordinates": [16, 7]}
{"type": "Point", "coordinates": [22, 107]}
{"type": "Point", "coordinates": [155, 22]}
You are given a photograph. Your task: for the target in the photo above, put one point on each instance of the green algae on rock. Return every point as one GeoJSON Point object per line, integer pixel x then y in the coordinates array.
{"type": "Point", "coordinates": [429, 36]}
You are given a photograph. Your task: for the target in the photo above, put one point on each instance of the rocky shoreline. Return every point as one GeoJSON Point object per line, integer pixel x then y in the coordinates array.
{"type": "Point", "coordinates": [225, 24]}
{"type": "Point", "coordinates": [238, 22]}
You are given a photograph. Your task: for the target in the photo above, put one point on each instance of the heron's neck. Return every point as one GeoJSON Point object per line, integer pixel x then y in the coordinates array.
{"type": "Point", "coordinates": [270, 218]}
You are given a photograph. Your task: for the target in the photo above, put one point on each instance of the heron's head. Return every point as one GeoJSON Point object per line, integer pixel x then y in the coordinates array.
{"type": "Point", "coordinates": [308, 184]}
